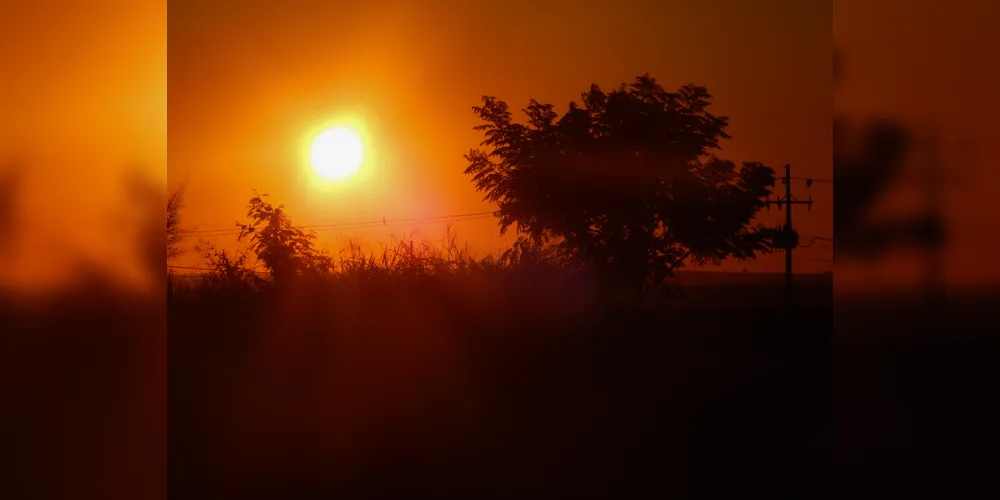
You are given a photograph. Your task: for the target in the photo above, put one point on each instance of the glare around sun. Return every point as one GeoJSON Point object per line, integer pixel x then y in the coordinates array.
{"type": "Point", "coordinates": [336, 153]}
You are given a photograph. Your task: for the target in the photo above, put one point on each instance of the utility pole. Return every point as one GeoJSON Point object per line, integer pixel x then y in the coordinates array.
{"type": "Point", "coordinates": [787, 238]}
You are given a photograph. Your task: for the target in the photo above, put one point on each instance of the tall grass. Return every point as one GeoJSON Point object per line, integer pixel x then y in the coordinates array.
{"type": "Point", "coordinates": [402, 259]}
{"type": "Point", "coordinates": [418, 367]}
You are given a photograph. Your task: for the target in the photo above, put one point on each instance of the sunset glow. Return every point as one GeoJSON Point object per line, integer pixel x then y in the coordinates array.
{"type": "Point", "coordinates": [336, 153]}
{"type": "Point", "coordinates": [397, 92]}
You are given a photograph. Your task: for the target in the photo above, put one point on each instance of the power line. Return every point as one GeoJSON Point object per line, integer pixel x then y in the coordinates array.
{"type": "Point", "coordinates": [359, 224]}
{"type": "Point", "coordinates": [814, 239]}
{"type": "Point", "coordinates": [786, 235]}
{"type": "Point", "coordinates": [194, 268]}
{"type": "Point", "coordinates": [379, 222]}
{"type": "Point", "coordinates": [812, 179]}
{"type": "Point", "coordinates": [383, 222]}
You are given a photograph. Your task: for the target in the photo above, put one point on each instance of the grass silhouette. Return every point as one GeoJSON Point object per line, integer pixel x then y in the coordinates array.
{"type": "Point", "coordinates": [419, 369]}
{"type": "Point", "coordinates": [83, 378]}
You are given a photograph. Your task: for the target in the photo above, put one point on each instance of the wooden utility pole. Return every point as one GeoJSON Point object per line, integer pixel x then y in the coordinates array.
{"type": "Point", "coordinates": [788, 238]}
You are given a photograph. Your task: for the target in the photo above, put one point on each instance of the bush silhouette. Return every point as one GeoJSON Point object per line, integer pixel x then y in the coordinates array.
{"type": "Point", "coordinates": [284, 249]}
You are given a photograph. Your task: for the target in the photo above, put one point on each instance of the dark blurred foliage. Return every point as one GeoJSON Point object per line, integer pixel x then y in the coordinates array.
{"type": "Point", "coordinates": [914, 412]}
{"type": "Point", "coordinates": [866, 170]}
{"type": "Point", "coordinates": [10, 182]}
{"type": "Point", "coordinates": [862, 177]}
{"type": "Point", "coordinates": [83, 376]}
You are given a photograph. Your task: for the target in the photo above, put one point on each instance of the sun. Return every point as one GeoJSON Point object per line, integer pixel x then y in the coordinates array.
{"type": "Point", "coordinates": [336, 153]}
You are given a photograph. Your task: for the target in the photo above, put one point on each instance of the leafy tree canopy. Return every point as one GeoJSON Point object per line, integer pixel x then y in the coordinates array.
{"type": "Point", "coordinates": [174, 235]}
{"type": "Point", "coordinates": [627, 182]}
{"type": "Point", "coordinates": [285, 249]}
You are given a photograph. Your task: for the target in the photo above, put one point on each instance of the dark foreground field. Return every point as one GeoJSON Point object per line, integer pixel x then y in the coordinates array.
{"type": "Point", "coordinates": [513, 386]}
{"type": "Point", "coordinates": [83, 382]}
{"type": "Point", "coordinates": [509, 391]}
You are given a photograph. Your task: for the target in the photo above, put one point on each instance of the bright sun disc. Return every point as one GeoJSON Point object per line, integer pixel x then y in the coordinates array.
{"type": "Point", "coordinates": [336, 153]}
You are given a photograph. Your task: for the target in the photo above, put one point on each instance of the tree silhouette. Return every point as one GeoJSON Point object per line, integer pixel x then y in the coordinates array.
{"type": "Point", "coordinates": [625, 184]}
{"type": "Point", "coordinates": [11, 178]}
{"type": "Point", "coordinates": [173, 223]}
{"type": "Point", "coordinates": [868, 171]}
{"type": "Point", "coordinates": [283, 248]}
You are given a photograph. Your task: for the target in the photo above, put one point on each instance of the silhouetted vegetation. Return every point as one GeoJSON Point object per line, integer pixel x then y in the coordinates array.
{"type": "Point", "coordinates": [870, 161]}
{"type": "Point", "coordinates": [10, 180]}
{"type": "Point", "coordinates": [871, 170]}
{"type": "Point", "coordinates": [174, 202]}
{"type": "Point", "coordinates": [624, 191]}
{"type": "Point", "coordinates": [284, 249]}
{"type": "Point", "coordinates": [490, 383]}
{"type": "Point", "coordinates": [626, 184]}
{"type": "Point", "coordinates": [83, 366]}
{"type": "Point", "coordinates": [420, 369]}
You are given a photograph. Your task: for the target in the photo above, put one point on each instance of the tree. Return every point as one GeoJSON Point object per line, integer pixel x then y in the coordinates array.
{"type": "Point", "coordinates": [173, 223]}
{"type": "Point", "coordinates": [283, 248]}
{"type": "Point", "coordinates": [626, 184]}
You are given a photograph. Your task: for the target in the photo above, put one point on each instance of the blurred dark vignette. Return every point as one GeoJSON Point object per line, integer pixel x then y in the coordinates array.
{"type": "Point", "coordinates": [916, 277]}
{"type": "Point", "coordinates": [84, 379]}
{"type": "Point", "coordinates": [82, 313]}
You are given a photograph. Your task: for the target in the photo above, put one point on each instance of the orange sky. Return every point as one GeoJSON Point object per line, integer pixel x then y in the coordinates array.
{"type": "Point", "coordinates": [85, 93]}
{"type": "Point", "coordinates": [83, 99]}
{"type": "Point", "coordinates": [247, 80]}
{"type": "Point", "coordinates": [929, 63]}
